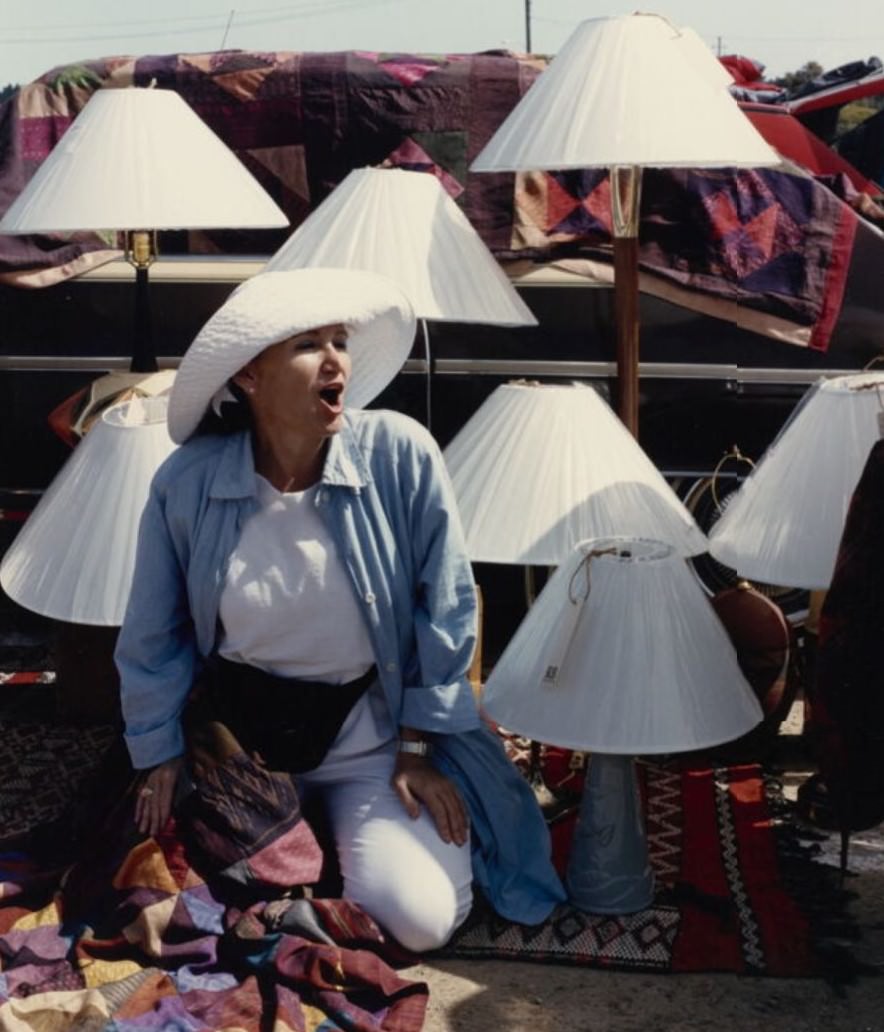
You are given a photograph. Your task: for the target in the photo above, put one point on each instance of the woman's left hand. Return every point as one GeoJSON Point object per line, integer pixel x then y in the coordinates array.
{"type": "Point", "coordinates": [417, 781]}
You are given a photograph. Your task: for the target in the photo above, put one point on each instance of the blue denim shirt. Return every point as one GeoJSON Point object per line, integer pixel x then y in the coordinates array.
{"type": "Point", "coordinates": [387, 501]}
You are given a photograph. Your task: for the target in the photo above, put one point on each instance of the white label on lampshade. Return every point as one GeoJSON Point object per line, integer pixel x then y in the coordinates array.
{"type": "Point", "coordinates": [560, 642]}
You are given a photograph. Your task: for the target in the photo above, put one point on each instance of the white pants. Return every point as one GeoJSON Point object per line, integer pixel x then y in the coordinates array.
{"type": "Point", "coordinates": [396, 868]}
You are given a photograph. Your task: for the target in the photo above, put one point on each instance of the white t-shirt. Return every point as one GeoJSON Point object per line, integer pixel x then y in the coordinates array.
{"type": "Point", "coordinates": [288, 606]}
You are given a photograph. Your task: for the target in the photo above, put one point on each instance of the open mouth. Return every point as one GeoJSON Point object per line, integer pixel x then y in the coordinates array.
{"type": "Point", "coordinates": [332, 395]}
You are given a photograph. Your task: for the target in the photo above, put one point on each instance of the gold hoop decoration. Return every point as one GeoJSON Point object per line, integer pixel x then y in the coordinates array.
{"type": "Point", "coordinates": [737, 456]}
{"type": "Point", "coordinates": [706, 505]}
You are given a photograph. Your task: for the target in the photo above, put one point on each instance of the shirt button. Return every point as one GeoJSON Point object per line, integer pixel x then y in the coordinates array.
{"type": "Point", "coordinates": [391, 667]}
{"type": "Point", "coordinates": [369, 597]}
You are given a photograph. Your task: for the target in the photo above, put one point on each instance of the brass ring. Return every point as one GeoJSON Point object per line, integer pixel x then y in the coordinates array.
{"type": "Point", "coordinates": [737, 456]}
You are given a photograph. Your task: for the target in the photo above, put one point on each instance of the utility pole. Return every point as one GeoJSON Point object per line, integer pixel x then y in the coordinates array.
{"type": "Point", "coordinates": [227, 28]}
{"type": "Point", "coordinates": [719, 46]}
{"type": "Point", "coordinates": [528, 26]}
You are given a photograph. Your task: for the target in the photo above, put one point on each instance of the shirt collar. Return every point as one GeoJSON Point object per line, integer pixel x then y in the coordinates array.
{"type": "Point", "coordinates": [345, 464]}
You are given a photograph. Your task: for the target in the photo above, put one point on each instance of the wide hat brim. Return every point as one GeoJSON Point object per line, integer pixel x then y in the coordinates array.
{"type": "Point", "coordinates": [273, 306]}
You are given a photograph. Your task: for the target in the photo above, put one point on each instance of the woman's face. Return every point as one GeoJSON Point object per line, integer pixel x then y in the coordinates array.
{"type": "Point", "coordinates": [299, 383]}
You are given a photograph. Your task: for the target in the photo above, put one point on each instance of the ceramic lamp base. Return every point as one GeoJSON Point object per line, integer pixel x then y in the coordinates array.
{"type": "Point", "coordinates": [609, 871]}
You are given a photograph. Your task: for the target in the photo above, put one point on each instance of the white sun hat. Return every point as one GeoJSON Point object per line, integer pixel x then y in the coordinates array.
{"type": "Point", "coordinates": [273, 306]}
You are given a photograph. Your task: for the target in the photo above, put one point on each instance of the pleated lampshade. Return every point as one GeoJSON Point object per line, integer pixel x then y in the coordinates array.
{"type": "Point", "coordinates": [631, 90]}
{"type": "Point", "coordinates": [73, 558]}
{"type": "Point", "coordinates": [540, 467]}
{"type": "Point", "coordinates": [622, 654]}
{"type": "Point", "coordinates": [784, 524]}
{"type": "Point", "coordinates": [140, 159]}
{"type": "Point", "coordinates": [404, 225]}
{"type": "Point", "coordinates": [703, 61]}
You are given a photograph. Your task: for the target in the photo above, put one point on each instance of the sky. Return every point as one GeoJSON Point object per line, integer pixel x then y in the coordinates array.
{"type": "Point", "coordinates": [781, 34]}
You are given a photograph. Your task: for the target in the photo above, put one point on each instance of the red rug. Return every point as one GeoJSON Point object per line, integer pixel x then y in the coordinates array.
{"type": "Point", "coordinates": [731, 885]}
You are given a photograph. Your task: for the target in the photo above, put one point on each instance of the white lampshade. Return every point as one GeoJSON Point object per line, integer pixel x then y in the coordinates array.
{"type": "Point", "coordinates": [73, 559]}
{"type": "Point", "coordinates": [404, 225]}
{"type": "Point", "coordinates": [701, 58]}
{"type": "Point", "coordinates": [622, 653]}
{"type": "Point", "coordinates": [630, 90]}
{"type": "Point", "coordinates": [540, 467]}
{"type": "Point", "coordinates": [784, 524]}
{"type": "Point", "coordinates": [140, 159]}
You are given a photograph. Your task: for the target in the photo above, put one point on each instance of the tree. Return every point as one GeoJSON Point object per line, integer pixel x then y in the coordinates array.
{"type": "Point", "coordinates": [7, 91]}
{"type": "Point", "coordinates": [806, 73]}
{"type": "Point", "coordinates": [855, 113]}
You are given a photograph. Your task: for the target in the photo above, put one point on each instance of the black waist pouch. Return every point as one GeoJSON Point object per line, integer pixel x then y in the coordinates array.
{"type": "Point", "coordinates": [291, 724]}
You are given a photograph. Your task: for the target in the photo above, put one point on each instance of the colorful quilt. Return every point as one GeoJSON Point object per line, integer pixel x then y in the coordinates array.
{"type": "Point", "coordinates": [206, 926]}
{"type": "Point", "coordinates": [770, 250]}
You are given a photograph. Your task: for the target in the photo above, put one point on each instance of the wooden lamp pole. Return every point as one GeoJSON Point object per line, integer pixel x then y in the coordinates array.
{"type": "Point", "coordinates": [625, 203]}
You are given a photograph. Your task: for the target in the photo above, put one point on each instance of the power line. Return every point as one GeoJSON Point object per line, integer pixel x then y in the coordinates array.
{"type": "Point", "coordinates": [302, 12]}
{"type": "Point", "coordinates": [43, 27]}
{"type": "Point", "coordinates": [805, 39]}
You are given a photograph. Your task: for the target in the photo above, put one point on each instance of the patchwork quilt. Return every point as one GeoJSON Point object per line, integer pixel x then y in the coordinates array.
{"type": "Point", "coordinates": [769, 249]}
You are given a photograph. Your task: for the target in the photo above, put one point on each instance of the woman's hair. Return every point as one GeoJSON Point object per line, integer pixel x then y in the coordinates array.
{"type": "Point", "coordinates": [232, 417]}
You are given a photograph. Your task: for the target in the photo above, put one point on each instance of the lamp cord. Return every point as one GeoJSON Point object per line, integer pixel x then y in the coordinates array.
{"type": "Point", "coordinates": [567, 625]}
{"type": "Point", "coordinates": [584, 565]}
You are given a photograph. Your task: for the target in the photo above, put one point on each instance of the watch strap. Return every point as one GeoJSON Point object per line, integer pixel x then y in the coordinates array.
{"type": "Point", "coordinates": [420, 748]}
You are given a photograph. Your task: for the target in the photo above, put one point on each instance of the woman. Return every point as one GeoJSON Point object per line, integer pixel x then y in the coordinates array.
{"type": "Point", "coordinates": [321, 545]}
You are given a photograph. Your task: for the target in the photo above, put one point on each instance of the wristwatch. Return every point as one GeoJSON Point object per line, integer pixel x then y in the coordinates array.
{"type": "Point", "coordinates": [420, 748]}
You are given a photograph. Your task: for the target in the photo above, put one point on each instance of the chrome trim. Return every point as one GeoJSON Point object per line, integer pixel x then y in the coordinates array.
{"type": "Point", "coordinates": [183, 269]}
{"type": "Point", "coordinates": [222, 269]}
{"type": "Point", "coordinates": [73, 363]}
{"type": "Point", "coordinates": [472, 367]}
{"type": "Point", "coordinates": [647, 370]}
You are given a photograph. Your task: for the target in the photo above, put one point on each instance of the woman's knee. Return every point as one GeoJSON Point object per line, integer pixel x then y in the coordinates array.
{"type": "Point", "coordinates": [420, 917]}
{"type": "Point", "coordinates": [399, 870]}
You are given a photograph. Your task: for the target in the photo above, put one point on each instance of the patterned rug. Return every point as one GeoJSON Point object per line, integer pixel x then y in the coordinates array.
{"type": "Point", "coordinates": [735, 890]}
{"type": "Point", "coordinates": [42, 767]}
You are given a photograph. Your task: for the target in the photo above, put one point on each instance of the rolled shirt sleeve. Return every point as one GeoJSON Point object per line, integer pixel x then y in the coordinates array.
{"type": "Point", "coordinates": [156, 654]}
{"type": "Point", "coordinates": [445, 608]}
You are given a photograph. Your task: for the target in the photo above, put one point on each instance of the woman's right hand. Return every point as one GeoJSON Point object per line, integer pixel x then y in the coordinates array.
{"type": "Point", "coordinates": [153, 805]}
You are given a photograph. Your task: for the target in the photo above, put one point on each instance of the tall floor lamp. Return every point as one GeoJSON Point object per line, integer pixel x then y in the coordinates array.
{"type": "Point", "coordinates": [140, 160]}
{"type": "Point", "coordinates": [785, 523]}
{"type": "Point", "coordinates": [625, 94]}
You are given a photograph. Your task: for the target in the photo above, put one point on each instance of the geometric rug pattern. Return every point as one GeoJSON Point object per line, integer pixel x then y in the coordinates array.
{"type": "Point", "coordinates": [721, 901]}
